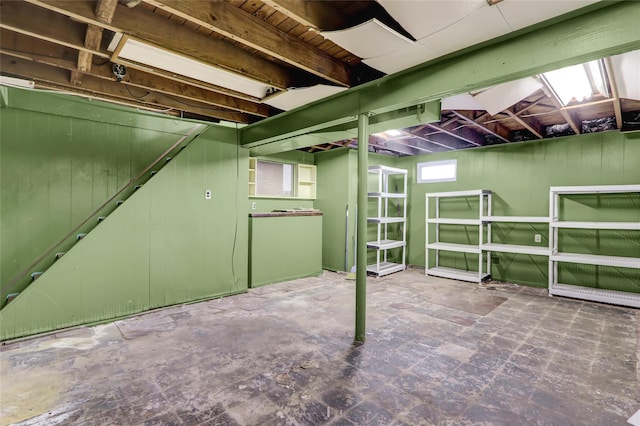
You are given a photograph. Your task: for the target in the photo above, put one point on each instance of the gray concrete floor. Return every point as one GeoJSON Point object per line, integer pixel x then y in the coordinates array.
{"type": "Point", "coordinates": [437, 352]}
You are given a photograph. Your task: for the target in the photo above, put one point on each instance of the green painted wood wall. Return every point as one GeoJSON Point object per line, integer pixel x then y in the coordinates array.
{"type": "Point", "coordinates": [165, 245]}
{"type": "Point", "coordinates": [60, 158]}
{"type": "Point", "coordinates": [337, 189]}
{"type": "Point", "coordinates": [284, 248]}
{"type": "Point", "coordinates": [520, 176]}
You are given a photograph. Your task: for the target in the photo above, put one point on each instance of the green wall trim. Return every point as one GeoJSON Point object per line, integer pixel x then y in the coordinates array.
{"type": "Point", "coordinates": [606, 29]}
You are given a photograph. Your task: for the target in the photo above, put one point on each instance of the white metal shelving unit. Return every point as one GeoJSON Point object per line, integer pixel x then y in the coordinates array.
{"type": "Point", "coordinates": [555, 257]}
{"type": "Point", "coordinates": [489, 246]}
{"type": "Point", "coordinates": [382, 219]}
{"type": "Point", "coordinates": [484, 197]}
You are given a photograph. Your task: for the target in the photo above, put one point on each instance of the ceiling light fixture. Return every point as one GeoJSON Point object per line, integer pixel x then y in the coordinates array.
{"type": "Point", "coordinates": [393, 133]}
{"type": "Point", "coordinates": [147, 54]}
{"type": "Point", "coordinates": [577, 82]}
{"type": "Point", "coordinates": [5, 80]}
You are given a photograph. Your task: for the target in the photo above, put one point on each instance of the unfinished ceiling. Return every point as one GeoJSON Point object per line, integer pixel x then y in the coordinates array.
{"type": "Point", "coordinates": [242, 61]}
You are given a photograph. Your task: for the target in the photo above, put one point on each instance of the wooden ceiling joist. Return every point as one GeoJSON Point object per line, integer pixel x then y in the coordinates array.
{"type": "Point", "coordinates": [463, 134]}
{"type": "Point", "coordinates": [617, 107]}
{"type": "Point", "coordinates": [414, 134]}
{"type": "Point", "coordinates": [46, 25]}
{"type": "Point", "coordinates": [104, 13]}
{"type": "Point", "coordinates": [500, 134]}
{"type": "Point", "coordinates": [568, 116]}
{"type": "Point", "coordinates": [530, 124]}
{"type": "Point", "coordinates": [19, 45]}
{"type": "Point", "coordinates": [49, 75]}
{"type": "Point", "coordinates": [253, 32]}
{"type": "Point", "coordinates": [175, 37]}
{"type": "Point", "coordinates": [318, 15]}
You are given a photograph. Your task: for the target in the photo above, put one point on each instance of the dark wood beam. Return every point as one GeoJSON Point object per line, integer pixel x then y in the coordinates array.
{"type": "Point", "coordinates": [46, 25]}
{"type": "Point", "coordinates": [463, 134]}
{"type": "Point", "coordinates": [319, 15]}
{"type": "Point", "coordinates": [568, 117]}
{"type": "Point", "coordinates": [429, 140]}
{"type": "Point", "coordinates": [475, 123]}
{"type": "Point", "coordinates": [21, 46]}
{"type": "Point", "coordinates": [150, 27]}
{"type": "Point", "coordinates": [617, 107]}
{"type": "Point", "coordinates": [104, 13]}
{"type": "Point", "coordinates": [530, 124]}
{"type": "Point", "coordinates": [52, 76]}
{"type": "Point", "coordinates": [68, 33]}
{"type": "Point", "coordinates": [530, 105]}
{"type": "Point", "coordinates": [242, 27]}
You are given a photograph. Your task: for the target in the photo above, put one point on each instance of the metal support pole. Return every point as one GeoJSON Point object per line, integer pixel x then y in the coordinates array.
{"type": "Point", "coordinates": [361, 241]}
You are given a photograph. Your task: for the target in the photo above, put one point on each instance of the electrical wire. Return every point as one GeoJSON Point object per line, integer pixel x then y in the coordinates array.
{"type": "Point", "coordinates": [196, 106]}
{"type": "Point", "coordinates": [235, 232]}
{"type": "Point", "coordinates": [126, 86]}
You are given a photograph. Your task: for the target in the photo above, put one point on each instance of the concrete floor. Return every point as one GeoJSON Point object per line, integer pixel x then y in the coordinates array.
{"type": "Point", "coordinates": [438, 352]}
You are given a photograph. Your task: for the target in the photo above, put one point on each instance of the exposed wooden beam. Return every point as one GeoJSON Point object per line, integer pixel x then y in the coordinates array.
{"type": "Point", "coordinates": [568, 117]}
{"type": "Point", "coordinates": [611, 28]}
{"type": "Point", "coordinates": [532, 104]}
{"type": "Point", "coordinates": [172, 36]}
{"type": "Point", "coordinates": [617, 107]}
{"type": "Point", "coordinates": [466, 135]}
{"type": "Point", "coordinates": [395, 147]}
{"type": "Point", "coordinates": [242, 27]}
{"type": "Point", "coordinates": [615, 95]}
{"type": "Point", "coordinates": [46, 25]}
{"type": "Point", "coordinates": [21, 46]}
{"type": "Point", "coordinates": [530, 124]}
{"type": "Point", "coordinates": [104, 13]}
{"type": "Point", "coordinates": [474, 123]}
{"type": "Point", "coordinates": [409, 143]}
{"type": "Point", "coordinates": [412, 134]}
{"type": "Point", "coordinates": [48, 75]}
{"type": "Point", "coordinates": [319, 15]}
{"type": "Point", "coordinates": [67, 33]}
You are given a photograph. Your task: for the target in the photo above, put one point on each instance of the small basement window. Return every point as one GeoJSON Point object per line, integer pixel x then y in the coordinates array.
{"type": "Point", "coordinates": [272, 179]}
{"type": "Point", "coordinates": [437, 171]}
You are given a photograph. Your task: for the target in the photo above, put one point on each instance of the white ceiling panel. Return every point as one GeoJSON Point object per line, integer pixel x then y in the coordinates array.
{"type": "Point", "coordinates": [626, 71]}
{"type": "Point", "coordinates": [294, 98]}
{"type": "Point", "coordinates": [522, 13]}
{"type": "Point", "coordinates": [402, 59]}
{"type": "Point", "coordinates": [370, 39]}
{"type": "Point", "coordinates": [424, 17]}
{"type": "Point", "coordinates": [480, 25]}
{"type": "Point", "coordinates": [502, 96]}
{"type": "Point", "coordinates": [462, 101]}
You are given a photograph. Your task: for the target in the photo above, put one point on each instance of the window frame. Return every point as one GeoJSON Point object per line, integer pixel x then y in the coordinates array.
{"type": "Point", "coordinates": [424, 164]}
{"type": "Point", "coordinates": [293, 191]}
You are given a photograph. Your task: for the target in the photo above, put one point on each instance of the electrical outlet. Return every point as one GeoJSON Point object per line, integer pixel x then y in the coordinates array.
{"type": "Point", "coordinates": [253, 205]}
{"type": "Point", "coordinates": [537, 238]}
{"type": "Point", "coordinates": [207, 194]}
